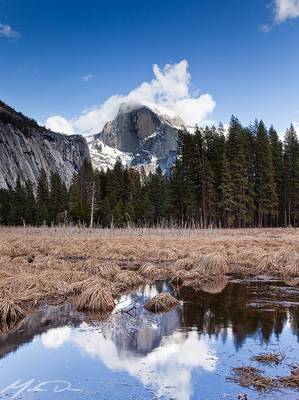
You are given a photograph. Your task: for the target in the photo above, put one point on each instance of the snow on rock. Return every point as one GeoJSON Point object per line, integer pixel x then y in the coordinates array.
{"type": "Point", "coordinates": [140, 135]}
{"type": "Point", "coordinates": [104, 156]}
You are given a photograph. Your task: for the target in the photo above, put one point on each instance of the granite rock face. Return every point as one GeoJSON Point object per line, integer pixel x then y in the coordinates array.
{"type": "Point", "coordinates": [26, 149]}
{"type": "Point", "coordinates": [141, 136]}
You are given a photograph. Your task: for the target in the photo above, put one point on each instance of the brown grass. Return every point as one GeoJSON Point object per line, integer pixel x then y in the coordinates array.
{"type": "Point", "coordinates": [208, 264]}
{"type": "Point", "coordinates": [96, 299]}
{"type": "Point", "coordinates": [41, 263]}
{"type": "Point", "coordinates": [11, 309]}
{"type": "Point", "coordinates": [269, 358]}
{"type": "Point", "coordinates": [186, 264]}
{"type": "Point", "coordinates": [213, 264]}
{"type": "Point", "coordinates": [291, 281]}
{"type": "Point", "coordinates": [291, 381]}
{"type": "Point", "coordinates": [162, 302]}
{"type": "Point", "coordinates": [93, 283]}
{"type": "Point", "coordinates": [127, 279]}
{"type": "Point", "coordinates": [152, 271]}
{"type": "Point", "coordinates": [251, 377]}
{"type": "Point", "coordinates": [105, 270]}
{"type": "Point", "coordinates": [208, 284]}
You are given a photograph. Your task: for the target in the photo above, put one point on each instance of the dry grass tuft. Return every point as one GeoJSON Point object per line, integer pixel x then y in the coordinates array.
{"type": "Point", "coordinates": [186, 264]}
{"type": "Point", "coordinates": [4, 274]}
{"type": "Point", "coordinates": [96, 299]}
{"type": "Point", "coordinates": [21, 283]}
{"type": "Point", "coordinates": [65, 275]}
{"type": "Point", "coordinates": [179, 277]}
{"type": "Point", "coordinates": [291, 381]}
{"type": "Point", "coordinates": [208, 284]}
{"type": "Point", "coordinates": [57, 287]}
{"type": "Point", "coordinates": [14, 251]}
{"type": "Point", "coordinates": [291, 281]}
{"type": "Point", "coordinates": [93, 283]}
{"type": "Point", "coordinates": [213, 264]}
{"type": "Point", "coordinates": [269, 358]}
{"type": "Point", "coordinates": [106, 270]}
{"type": "Point", "coordinates": [162, 302]}
{"type": "Point", "coordinates": [63, 263]}
{"type": "Point", "coordinates": [151, 271]}
{"type": "Point", "coordinates": [251, 377]}
{"type": "Point", "coordinates": [11, 309]}
{"type": "Point", "coordinates": [126, 279]}
{"type": "Point", "coordinates": [148, 270]}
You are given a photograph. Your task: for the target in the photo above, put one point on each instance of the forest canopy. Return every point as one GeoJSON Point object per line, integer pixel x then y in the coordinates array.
{"type": "Point", "coordinates": [247, 177]}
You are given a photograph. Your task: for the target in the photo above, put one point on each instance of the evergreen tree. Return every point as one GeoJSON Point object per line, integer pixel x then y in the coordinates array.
{"type": "Point", "coordinates": [75, 199]}
{"type": "Point", "coordinates": [5, 203]}
{"type": "Point", "coordinates": [238, 171]}
{"type": "Point", "coordinates": [43, 199]}
{"type": "Point", "coordinates": [278, 169]}
{"type": "Point", "coordinates": [30, 204]}
{"type": "Point", "coordinates": [176, 194]}
{"type": "Point", "coordinates": [215, 147]}
{"type": "Point", "coordinates": [191, 175]}
{"type": "Point", "coordinates": [248, 137]}
{"type": "Point", "coordinates": [58, 198]}
{"type": "Point", "coordinates": [246, 179]}
{"type": "Point", "coordinates": [266, 195]}
{"type": "Point", "coordinates": [18, 203]}
{"type": "Point", "coordinates": [95, 198]}
{"type": "Point", "coordinates": [226, 203]}
{"type": "Point", "coordinates": [291, 176]}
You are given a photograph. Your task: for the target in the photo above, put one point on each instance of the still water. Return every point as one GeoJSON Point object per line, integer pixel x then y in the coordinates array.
{"type": "Point", "coordinates": [184, 354]}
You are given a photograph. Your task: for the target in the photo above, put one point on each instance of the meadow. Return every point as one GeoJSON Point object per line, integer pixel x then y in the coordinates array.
{"type": "Point", "coordinates": [91, 268]}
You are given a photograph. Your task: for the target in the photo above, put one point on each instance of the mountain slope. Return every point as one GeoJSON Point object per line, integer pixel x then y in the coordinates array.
{"type": "Point", "coordinates": [26, 148]}
{"type": "Point", "coordinates": [140, 135]}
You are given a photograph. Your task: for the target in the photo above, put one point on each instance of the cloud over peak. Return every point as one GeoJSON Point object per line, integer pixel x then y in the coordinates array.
{"type": "Point", "coordinates": [170, 89]}
{"type": "Point", "coordinates": [8, 32]}
{"type": "Point", "coordinates": [286, 9]}
{"type": "Point", "coordinates": [283, 10]}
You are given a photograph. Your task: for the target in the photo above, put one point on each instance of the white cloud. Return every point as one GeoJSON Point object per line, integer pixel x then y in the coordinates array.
{"type": "Point", "coordinates": [283, 10]}
{"type": "Point", "coordinates": [169, 89]}
{"type": "Point", "coordinates": [54, 338]}
{"type": "Point", "coordinates": [286, 9]}
{"type": "Point", "coordinates": [157, 369]}
{"type": "Point", "coordinates": [8, 32]}
{"type": "Point", "coordinates": [265, 28]}
{"type": "Point", "coordinates": [59, 124]}
{"type": "Point", "coordinates": [86, 78]}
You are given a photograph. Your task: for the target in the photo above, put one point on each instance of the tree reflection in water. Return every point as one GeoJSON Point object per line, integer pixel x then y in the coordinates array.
{"type": "Point", "coordinates": [163, 350]}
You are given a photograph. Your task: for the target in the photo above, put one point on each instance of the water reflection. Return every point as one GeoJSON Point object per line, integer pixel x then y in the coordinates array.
{"type": "Point", "coordinates": [255, 308]}
{"type": "Point", "coordinates": [38, 323]}
{"type": "Point", "coordinates": [167, 369]}
{"type": "Point", "coordinates": [149, 347]}
{"type": "Point", "coordinates": [166, 352]}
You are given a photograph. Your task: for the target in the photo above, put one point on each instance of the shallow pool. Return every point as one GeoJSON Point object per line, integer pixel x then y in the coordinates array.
{"type": "Point", "coordinates": [184, 354]}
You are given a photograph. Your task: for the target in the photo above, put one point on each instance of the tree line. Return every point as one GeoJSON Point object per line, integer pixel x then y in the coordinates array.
{"type": "Point", "coordinates": [246, 177]}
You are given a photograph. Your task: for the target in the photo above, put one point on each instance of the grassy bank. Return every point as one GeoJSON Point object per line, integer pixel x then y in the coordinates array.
{"type": "Point", "coordinates": [91, 268]}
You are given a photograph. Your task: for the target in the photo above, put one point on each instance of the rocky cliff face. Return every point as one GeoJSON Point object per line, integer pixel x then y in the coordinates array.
{"type": "Point", "coordinates": [26, 149]}
{"type": "Point", "coordinates": [139, 136]}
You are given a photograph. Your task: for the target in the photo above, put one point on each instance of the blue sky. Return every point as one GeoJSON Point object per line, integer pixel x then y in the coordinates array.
{"type": "Point", "coordinates": [63, 57]}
